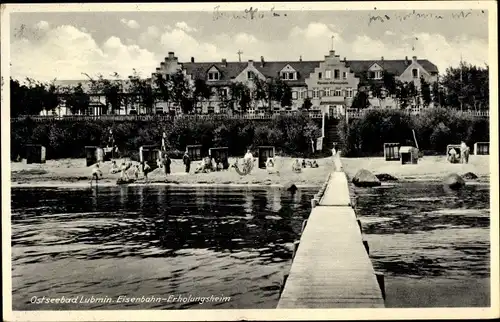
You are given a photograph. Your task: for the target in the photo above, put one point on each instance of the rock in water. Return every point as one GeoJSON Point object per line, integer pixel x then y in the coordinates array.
{"type": "Point", "coordinates": [386, 177]}
{"type": "Point", "coordinates": [454, 181]}
{"type": "Point", "coordinates": [469, 176]}
{"type": "Point", "coordinates": [365, 178]}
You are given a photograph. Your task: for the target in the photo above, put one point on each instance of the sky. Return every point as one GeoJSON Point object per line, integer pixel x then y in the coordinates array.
{"type": "Point", "coordinates": [63, 45]}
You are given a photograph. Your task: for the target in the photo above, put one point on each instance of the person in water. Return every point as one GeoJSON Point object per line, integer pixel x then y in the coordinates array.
{"type": "Point", "coordinates": [96, 174]}
{"type": "Point", "coordinates": [186, 159]}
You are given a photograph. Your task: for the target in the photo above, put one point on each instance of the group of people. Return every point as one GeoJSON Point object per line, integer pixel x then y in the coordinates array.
{"type": "Point", "coordinates": [454, 157]}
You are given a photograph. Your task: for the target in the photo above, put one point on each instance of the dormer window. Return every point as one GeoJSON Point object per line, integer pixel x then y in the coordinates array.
{"type": "Point", "coordinates": [328, 74]}
{"type": "Point", "coordinates": [289, 75]}
{"type": "Point", "coordinates": [375, 75]}
{"type": "Point", "coordinates": [414, 72]}
{"type": "Point", "coordinates": [213, 76]}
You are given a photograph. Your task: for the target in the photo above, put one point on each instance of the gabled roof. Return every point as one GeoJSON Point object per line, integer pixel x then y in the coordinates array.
{"type": "Point", "coordinates": [227, 72]}
{"type": "Point", "coordinates": [396, 67]}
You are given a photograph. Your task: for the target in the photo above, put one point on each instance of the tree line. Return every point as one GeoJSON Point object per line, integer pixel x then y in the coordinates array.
{"type": "Point", "coordinates": [464, 87]}
{"type": "Point", "coordinates": [33, 97]}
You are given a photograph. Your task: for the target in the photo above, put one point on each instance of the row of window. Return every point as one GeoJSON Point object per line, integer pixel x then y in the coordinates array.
{"type": "Point", "coordinates": [315, 93]}
{"type": "Point", "coordinates": [379, 74]}
{"type": "Point", "coordinates": [328, 74]}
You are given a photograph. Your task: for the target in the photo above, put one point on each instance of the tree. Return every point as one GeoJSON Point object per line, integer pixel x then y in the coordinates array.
{"type": "Point", "coordinates": [181, 92]}
{"type": "Point", "coordinates": [141, 92]}
{"type": "Point", "coordinates": [389, 80]}
{"type": "Point", "coordinates": [307, 104]}
{"type": "Point", "coordinates": [111, 89]}
{"type": "Point", "coordinates": [466, 86]}
{"type": "Point", "coordinates": [360, 101]}
{"type": "Point", "coordinates": [261, 92]}
{"type": "Point", "coordinates": [437, 94]}
{"type": "Point", "coordinates": [202, 91]}
{"type": "Point", "coordinates": [77, 101]}
{"type": "Point", "coordinates": [51, 98]}
{"type": "Point", "coordinates": [240, 95]}
{"type": "Point", "coordinates": [286, 98]}
{"type": "Point", "coordinates": [425, 90]}
{"type": "Point", "coordinates": [162, 89]}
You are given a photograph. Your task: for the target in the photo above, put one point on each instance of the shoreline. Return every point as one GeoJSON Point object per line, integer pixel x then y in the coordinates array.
{"type": "Point", "coordinates": [74, 173]}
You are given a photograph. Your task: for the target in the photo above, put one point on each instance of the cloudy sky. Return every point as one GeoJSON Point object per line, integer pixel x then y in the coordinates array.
{"type": "Point", "coordinates": [63, 45]}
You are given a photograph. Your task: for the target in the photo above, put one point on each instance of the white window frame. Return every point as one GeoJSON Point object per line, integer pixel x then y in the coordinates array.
{"type": "Point", "coordinates": [344, 75]}
{"type": "Point", "coordinates": [213, 76]}
{"type": "Point", "coordinates": [328, 74]}
{"type": "Point", "coordinates": [295, 95]}
{"type": "Point", "coordinates": [315, 93]}
{"type": "Point", "coordinates": [418, 73]}
{"type": "Point", "coordinates": [348, 92]}
{"type": "Point", "coordinates": [337, 93]}
{"type": "Point", "coordinates": [250, 74]}
{"type": "Point", "coordinates": [291, 75]}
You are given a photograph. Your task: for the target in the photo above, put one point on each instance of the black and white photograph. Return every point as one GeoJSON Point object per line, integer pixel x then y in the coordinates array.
{"type": "Point", "coordinates": [229, 161]}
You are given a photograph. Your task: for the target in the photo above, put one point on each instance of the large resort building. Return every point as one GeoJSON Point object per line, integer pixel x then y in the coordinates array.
{"type": "Point", "coordinates": [330, 84]}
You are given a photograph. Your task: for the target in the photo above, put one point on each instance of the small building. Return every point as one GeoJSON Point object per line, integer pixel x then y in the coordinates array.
{"type": "Point", "coordinates": [220, 155]}
{"type": "Point", "coordinates": [93, 155]}
{"type": "Point", "coordinates": [194, 152]}
{"type": "Point", "coordinates": [482, 148]}
{"type": "Point", "coordinates": [35, 153]}
{"type": "Point", "coordinates": [391, 151]}
{"type": "Point", "coordinates": [149, 154]}
{"type": "Point", "coordinates": [408, 155]}
{"type": "Point", "coordinates": [265, 152]}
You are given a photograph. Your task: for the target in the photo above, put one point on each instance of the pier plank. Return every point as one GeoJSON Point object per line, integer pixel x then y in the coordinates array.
{"type": "Point", "coordinates": [331, 268]}
{"type": "Point", "coordinates": [337, 191]}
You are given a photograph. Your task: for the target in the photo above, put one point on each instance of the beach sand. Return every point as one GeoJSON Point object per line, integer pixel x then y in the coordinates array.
{"type": "Point", "coordinates": [75, 172]}
{"type": "Point", "coordinates": [428, 168]}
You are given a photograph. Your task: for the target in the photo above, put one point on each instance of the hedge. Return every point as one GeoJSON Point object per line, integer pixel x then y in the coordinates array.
{"type": "Point", "coordinates": [67, 139]}
{"type": "Point", "coordinates": [434, 130]}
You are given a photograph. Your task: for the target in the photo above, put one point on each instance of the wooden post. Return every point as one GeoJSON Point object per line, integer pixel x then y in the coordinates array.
{"type": "Point", "coordinates": [304, 224]}
{"type": "Point", "coordinates": [367, 247]}
{"type": "Point", "coordinates": [381, 282]}
{"type": "Point", "coordinates": [282, 287]}
{"type": "Point", "coordinates": [295, 248]}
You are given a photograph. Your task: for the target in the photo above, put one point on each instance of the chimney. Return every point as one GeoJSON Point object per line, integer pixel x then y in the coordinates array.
{"type": "Point", "coordinates": [224, 62]}
{"type": "Point", "coordinates": [414, 59]}
{"type": "Point", "coordinates": [262, 61]}
{"type": "Point", "coordinates": [250, 62]}
{"type": "Point", "coordinates": [382, 58]}
{"type": "Point", "coordinates": [345, 59]}
{"type": "Point", "coordinates": [192, 59]}
{"type": "Point", "coordinates": [300, 59]}
{"type": "Point", "coordinates": [406, 60]}
{"type": "Point", "coordinates": [170, 54]}
{"type": "Point", "coordinates": [332, 52]}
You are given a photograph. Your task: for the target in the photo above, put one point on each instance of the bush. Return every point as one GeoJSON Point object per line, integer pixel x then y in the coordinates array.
{"type": "Point", "coordinates": [67, 139]}
{"type": "Point", "coordinates": [434, 130]}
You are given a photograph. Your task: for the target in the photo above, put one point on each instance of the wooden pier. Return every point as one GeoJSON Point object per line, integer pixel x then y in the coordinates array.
{"type": "Point", "coordinates": [331, 267]}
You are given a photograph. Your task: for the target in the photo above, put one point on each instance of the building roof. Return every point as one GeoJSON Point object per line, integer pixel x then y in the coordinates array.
{"type": "Point", "coordinates": [396, 67]}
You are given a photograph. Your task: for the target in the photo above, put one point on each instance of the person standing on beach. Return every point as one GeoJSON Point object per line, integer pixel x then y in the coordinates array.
{"type": "Point", "coordinates": [166, 163]}
{"type": "Point", "coordinates": [96, 173]}
{"type": "Point", "coordinates": [464, 153]}
{"type": "Point", "coordinates": [146, 169]}
{"type": "Point", "coordinates": [187, 161]}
